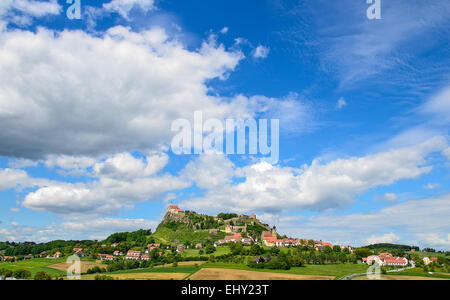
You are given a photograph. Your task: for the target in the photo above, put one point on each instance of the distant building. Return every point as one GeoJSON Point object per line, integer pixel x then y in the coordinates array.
{"type": "Point", "coordinates": [198, 246]}
{"type": "Point", "coordinates": [78, 252]}
{"type": "Point", "coordinates": [253, 216]}
{"type": "Point", "coordinates": [105, 257]}
{"type": "Point", "coordinates": [118, 253]}
{"type": "Point", "coordinates": [237, 237]}
{"type": "Point", "coordinates": [180, 248]}
{"type": "Point", "coordinates": [133, 255]}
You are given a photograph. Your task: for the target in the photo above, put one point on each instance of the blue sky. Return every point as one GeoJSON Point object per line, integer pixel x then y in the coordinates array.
{"type": "Point", "coordinates": [86, 108]}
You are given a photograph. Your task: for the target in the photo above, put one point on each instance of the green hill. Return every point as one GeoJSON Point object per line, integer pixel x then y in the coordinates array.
{"type": "Point", "coordinates": [190, 227]}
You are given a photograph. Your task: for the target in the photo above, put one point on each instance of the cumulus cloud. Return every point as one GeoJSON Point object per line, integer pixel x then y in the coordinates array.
{"type": "Point", "coordinates": [261, 52]}
{"type": "Point", "coordinates": [385, 238]}
{"type": "Point", "coordinates": [120, 181]}
{"type": "Point", "coordinates": [14, 178]}
{"type": "Point", "coordinates": [209, 171]}
{"type": "Point", "coordinates": [318, 186]}
{"type": "Point", "coordinates": [147, 80]}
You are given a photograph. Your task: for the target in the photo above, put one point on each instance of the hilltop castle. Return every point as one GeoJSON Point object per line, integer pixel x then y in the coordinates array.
{"type": "Point", "coordinates": [174, 209]}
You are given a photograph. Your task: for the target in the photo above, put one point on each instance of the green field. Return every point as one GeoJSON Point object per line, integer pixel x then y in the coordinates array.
{"type": "Point", "coordinates": [34, 266]}
{"type": "Point", "coordinates": [338, 270]}
{"type": "Point", "coordinates": [195, 252]}
{"type": "Point", "coordinates": [421, 273]}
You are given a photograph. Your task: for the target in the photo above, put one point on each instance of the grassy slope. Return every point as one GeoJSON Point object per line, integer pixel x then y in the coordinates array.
{"type": "Point", "coordinates": [421, 273]}
{"type": "Point", "coordinates": [34, 266]}
{"type": "Point", "coordinates": [338, 271]}
{"type": "Point", "coordinates": [166, 236]}
{"type": "Point", "coordinates": [195, 252]}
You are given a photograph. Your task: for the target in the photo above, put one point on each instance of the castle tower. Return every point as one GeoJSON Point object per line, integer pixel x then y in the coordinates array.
{"type": "Point", "coordinates": [274, 231]}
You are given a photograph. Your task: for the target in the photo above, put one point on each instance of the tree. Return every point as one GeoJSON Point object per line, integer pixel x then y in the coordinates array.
{"type": "Point", "coordinates": [336, 249]}
{"type": "Point", "coordinates": [362, 252]}
{"type": "Point", "coordinates": [256, 250]}
{"type": "Point", "coordinates": [274, 250]}
{"type": "Point", "coordinates": [42, 276]}
{"type": "Point", "coordinates": [327, 249]}
{"type": "Point", "coordinates": [210, 249]}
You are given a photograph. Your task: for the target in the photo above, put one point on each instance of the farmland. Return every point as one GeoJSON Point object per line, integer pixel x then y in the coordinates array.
{"type": "Point", "coordinates": [336, 271]}
{"type": "Point", "coordinates": [34, 266]}
{"type": "Point", "coordinates": [234, 274]}
{"type": "Point", "coordinates": [85, 266]}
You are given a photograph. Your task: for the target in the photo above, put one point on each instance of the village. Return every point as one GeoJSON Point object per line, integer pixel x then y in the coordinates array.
{"type": "Point", "coordinates": [234, 235]}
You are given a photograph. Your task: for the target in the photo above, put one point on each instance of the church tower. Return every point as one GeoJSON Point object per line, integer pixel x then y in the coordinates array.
{"type": "Point", "coordinates": [274, 231]}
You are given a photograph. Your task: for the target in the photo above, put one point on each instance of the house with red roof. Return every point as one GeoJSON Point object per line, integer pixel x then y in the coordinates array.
{"type": "Point", "coordinates": [133, 255]}
{"type": "Point", "coordinates": [237, 237]}
{"type": "Point", "coordinates": [78, 252]}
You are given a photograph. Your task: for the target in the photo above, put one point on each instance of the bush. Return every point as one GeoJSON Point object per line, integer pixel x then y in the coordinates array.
{"type": "Point", "coordinates": [96, 270]}
{"type": "Point", "coordinates": [103, 277]}
{"type": "Point", "coordinates": [22, 274]}
{"type": "Point", "coordinates": [6, 273]}
{"type": "Point", "coordinates": [42, 276]}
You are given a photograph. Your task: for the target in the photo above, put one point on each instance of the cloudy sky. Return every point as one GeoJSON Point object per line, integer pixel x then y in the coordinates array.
{"type": "Point", "coordinates": [86, 108]}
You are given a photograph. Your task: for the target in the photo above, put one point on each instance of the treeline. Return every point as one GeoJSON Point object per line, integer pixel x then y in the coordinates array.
{"type": "Point", "coordinates": [19, 249]}
{"type": "Point", "coordinates": [225, 216]}
{"type": "Point", "coordinates": [139, 237]}
{"type": "Point", "coordinates": [386, 246]}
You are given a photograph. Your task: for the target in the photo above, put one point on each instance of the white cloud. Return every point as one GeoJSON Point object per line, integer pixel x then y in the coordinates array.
{"type": "Point", "coordinates": [438, 106]}
{"type": "Point", "coordinates": [388, 197]}
{"type": "Point", "coordinates": [261, 52]}
{"type": "Point", "coordinates": [431, 186]}
{"type": "Point", "coordinates": [59, 108]}
{"type": "Point", "coordinates": [124, 7]}
{"type": "Point", "coordinates": [209, 171]}
{"type": "Point", "coordinates": [224, 30]}
{"type": "Point", "coordinates": [28, 9]}
{"type": "Point", "coordinates": [341, 103]}
{"type": "Point", "coordinates": [120, 181]}
{"type": "Point", "coordinates": [124, 165]}
{"type": "Point", "coordinates": [13, 178]}
{"type": "Point", "coordinates": [435, 239]}
{"type": "Point", "coordinates": [108, 225]}
{"type": "Point", "coordinates": [390, 238]}
{"type": "Point", "coordinates": [413, 220]}
{"type": "Point", "coordinates": [447, 153]}
{"type": "Point", "coordinates": [318, 186]}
